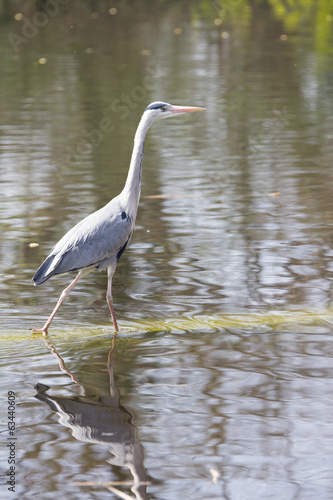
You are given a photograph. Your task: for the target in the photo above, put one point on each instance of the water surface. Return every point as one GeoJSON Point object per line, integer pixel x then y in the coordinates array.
{"type": "Point", "coordinates": [219, 383]}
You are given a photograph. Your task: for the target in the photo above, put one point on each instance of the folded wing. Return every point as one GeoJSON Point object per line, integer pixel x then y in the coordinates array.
{"type": "Point", "coordinates": [100, 236]}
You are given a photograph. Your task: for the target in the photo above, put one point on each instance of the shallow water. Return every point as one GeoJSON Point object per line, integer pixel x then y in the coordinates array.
{"type": "Point", "coordinates": [218, 384]}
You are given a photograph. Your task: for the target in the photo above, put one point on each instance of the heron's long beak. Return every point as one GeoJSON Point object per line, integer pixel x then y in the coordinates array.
{"type": "Point", "coordinates": [184, 109]}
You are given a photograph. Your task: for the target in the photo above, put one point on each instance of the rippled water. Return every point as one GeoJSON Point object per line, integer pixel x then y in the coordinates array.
{"type": "Point", "coordinates": [218, 384]}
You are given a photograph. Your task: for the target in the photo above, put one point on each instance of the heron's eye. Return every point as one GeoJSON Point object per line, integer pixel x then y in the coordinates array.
{"type": "Point", "coordinates": [163, 108]}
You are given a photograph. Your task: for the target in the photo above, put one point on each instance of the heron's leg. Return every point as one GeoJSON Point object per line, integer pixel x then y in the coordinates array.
{"type": "Point", "coordinates": [111, 270]}
{"type": "Point", "coordinates": [60, 301]}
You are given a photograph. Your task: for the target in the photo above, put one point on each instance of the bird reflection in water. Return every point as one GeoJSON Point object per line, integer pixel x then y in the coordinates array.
{"type": "Point", "coordinates": [102, 420]}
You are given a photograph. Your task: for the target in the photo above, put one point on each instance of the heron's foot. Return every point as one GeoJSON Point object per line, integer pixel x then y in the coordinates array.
{"type": "Point", "coordinates": [40, 330]}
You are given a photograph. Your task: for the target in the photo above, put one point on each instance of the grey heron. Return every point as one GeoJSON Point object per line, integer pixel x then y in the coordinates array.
{"type": "Point", "coordinates": [98, 241]}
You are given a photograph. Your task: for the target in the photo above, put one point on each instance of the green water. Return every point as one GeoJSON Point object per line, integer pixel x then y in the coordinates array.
{"type": "Point", "coordinates": [219, 382]}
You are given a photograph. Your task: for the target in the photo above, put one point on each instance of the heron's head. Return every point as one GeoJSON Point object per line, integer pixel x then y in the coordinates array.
{"type": "Point", "coordinates": [158, 110]}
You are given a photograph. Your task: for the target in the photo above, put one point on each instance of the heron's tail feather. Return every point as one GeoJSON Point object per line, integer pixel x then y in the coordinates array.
{"type": "Point", "coordinates": [45, 271]}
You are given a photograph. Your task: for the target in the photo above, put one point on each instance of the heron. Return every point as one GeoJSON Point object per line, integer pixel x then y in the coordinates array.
{"type": "Point", "coordinates": [99, 240]}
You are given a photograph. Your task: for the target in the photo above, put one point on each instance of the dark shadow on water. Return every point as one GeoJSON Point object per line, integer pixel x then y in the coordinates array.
{"type": "Point", "coordinates": [100, 419]}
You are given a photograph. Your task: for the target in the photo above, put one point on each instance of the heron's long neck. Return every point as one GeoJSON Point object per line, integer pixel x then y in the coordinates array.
{"type": "Point", "coordinates": [132, 187]}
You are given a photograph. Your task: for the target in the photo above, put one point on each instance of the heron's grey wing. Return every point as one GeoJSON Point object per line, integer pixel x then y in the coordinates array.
{"type": "Point", "coordinates": [93, 246]}
{"type": "Point", "coordinates": [99, 236]}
